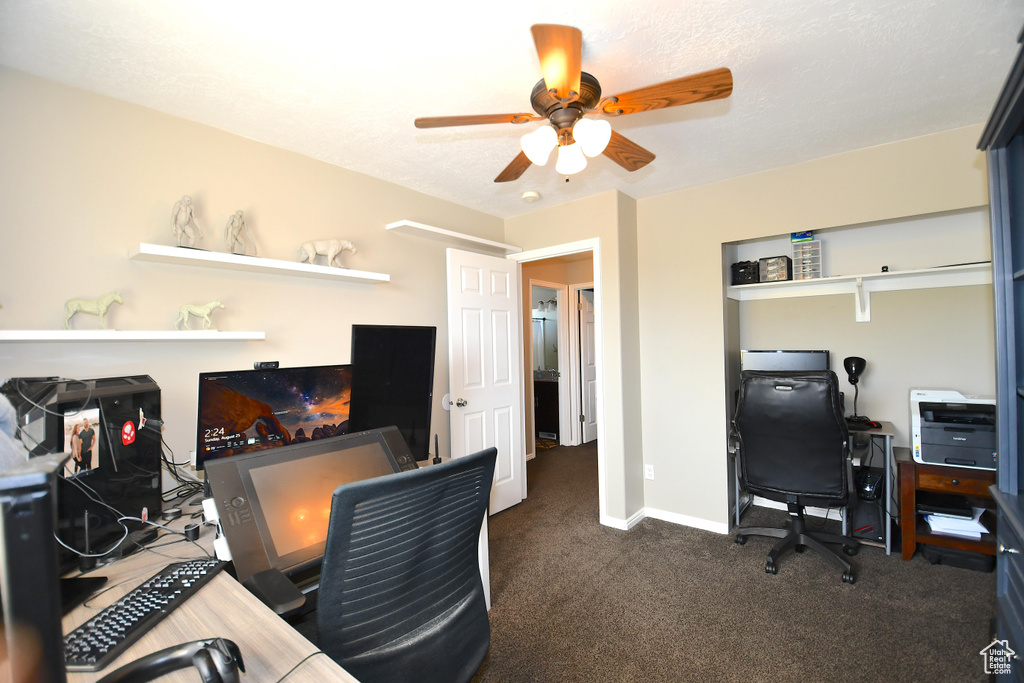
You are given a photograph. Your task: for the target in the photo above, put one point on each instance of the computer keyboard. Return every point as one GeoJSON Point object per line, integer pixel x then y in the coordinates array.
{"type": "Point", "coordinates": [97, 642]}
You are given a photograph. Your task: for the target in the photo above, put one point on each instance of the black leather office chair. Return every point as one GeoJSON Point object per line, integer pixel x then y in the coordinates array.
{"type": "Point", "coordinates": [793, 447]}
{"type": "Point", "coordinates": [401, 598]}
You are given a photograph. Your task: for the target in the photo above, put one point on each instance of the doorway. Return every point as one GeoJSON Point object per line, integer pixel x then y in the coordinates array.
{"type": "Point", "coordinates": [553, 405]}
{"type": "Point", "coordinates": [549, 362]}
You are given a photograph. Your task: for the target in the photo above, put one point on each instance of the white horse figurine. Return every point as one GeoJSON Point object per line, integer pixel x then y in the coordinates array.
{"type": "Point", "coordinates": [330, 249]}
{"type": "Point", "coordinates": [199, 311]}
{"type": "Point", "coordinates": [97, 307]}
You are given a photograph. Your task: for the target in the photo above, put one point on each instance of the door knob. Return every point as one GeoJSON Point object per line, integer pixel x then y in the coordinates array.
{"type": "Point", "coordinates": [462, 403]}
{"type": "Point", "coordinates": [1003, 550]}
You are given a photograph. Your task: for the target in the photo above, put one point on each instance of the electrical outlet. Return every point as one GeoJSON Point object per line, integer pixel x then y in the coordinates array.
{"type": "Point", "coordinates": [648, 471]}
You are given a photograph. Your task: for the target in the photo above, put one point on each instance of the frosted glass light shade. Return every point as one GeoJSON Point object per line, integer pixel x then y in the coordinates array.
{"type": "Point", "coordinates": [538, 145]}
{"type": "Point", "coordinates": [593, 135]}
{"type": "Point", "coordinates": [570, 159]}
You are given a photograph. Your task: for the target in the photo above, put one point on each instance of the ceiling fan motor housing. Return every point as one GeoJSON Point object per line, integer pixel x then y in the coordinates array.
{"type": "Point", "coordinates": [564, 116]}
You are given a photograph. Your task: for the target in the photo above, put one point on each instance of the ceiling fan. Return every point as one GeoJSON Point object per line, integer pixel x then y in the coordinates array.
{"type": "Point", "coordinates": [566, 94]}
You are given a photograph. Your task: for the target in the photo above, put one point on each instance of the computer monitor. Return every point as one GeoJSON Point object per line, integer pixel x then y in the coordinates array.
{"type": "Point", "coordinates": [783, 360]}
{"type": "Point", "coordinates": [106, 426]}
{"type": "Point", "coordinates": [274, 505]}
{"type": "Point", "coordinates": [393, 381]}
{"type": "Point", "coordinates": [251, 410]}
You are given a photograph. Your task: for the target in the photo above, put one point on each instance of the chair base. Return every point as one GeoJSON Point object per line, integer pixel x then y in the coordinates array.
{"type": "Point", "coordinates": [797, 537]}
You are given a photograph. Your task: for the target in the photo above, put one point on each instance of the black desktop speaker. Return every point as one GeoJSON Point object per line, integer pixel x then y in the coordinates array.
{"type": "Point", "coordinates": [29, 581]}
{"type": "Point", "coordinates": [393, 381]}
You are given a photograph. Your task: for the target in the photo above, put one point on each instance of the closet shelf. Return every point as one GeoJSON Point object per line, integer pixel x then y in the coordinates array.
{"type": "Point", "coordinates": [215, 259]}
{"type": "Point", "coordinates": [458, 239]}
{"type": "Point", "coordinates": [861, 286]}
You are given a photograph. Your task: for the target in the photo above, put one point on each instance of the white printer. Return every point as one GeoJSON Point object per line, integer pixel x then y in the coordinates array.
{"type": "Point", "coordinates": [948, 428]}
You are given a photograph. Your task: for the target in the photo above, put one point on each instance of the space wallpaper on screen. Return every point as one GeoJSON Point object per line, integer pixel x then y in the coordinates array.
{"type": "Point", "coordinates": [245, 411]}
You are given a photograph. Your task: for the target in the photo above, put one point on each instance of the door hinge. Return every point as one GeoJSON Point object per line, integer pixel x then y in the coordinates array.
{"type": "Point", "coordinates": [583, 418]}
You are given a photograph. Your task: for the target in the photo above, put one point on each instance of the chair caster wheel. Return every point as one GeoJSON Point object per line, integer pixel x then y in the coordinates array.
{"type": "Point", "coordinates": [770, 568]}
{"type": "Point", "coordinates": [851, 550]}
{"type": "Point", "coordinates": [848, 577]}
{"type": "Point", "coordinates": [740, 540]}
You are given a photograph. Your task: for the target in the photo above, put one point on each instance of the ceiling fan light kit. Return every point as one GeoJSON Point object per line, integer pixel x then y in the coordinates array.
{"type": "Point", "coordinates": [593, 136]}
{"type": "Point", "coordinates": [570, 159]}
{"type": "Point", "coordinates": [538, 144]}
{"type": "Point", "coordinates": [566, 93]}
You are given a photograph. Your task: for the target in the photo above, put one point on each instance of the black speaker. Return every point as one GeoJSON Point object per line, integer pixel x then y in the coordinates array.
{"type": "Point", "coordinates": [393, 381]}
{"type": "Point", "coordinates": [29, 579]}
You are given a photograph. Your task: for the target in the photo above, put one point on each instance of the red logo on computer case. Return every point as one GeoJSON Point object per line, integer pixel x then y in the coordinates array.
{"type": "Point", "coordinates": [128, 433]}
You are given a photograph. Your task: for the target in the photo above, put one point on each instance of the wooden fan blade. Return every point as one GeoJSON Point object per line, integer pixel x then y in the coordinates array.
{"type": "Point", "coordinates": [709, 85]}
{"type": "Point", "coordinates": [560, 49]}
{"type": "Point", "coordinates": [442, 121]}
{"type": "Point", "coordinates": [627, 153]}
{"type": "Point", "coordinates": [515, 169]}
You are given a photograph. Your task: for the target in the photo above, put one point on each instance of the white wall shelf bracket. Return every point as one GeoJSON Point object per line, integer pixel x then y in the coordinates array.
{"type": "Point", "coordinates": [862, 300]}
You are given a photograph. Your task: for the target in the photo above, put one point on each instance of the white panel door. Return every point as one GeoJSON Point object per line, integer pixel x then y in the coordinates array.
{"type": "Point", "coordinates": [485, 377]}
{"type": "Point", "coordinates": [588, 363]}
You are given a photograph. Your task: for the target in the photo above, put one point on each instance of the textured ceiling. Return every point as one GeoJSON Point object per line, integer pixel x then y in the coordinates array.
{"type": "Point", "coordinates": [343, 81]}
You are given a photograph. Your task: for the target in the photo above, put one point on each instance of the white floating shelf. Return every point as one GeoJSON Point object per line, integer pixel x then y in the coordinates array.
{"type": "Point", "coordinates": [861, 286]}
{"type": "Point", "coordinates": [127, 335]}
{"type": "Point", "coordinates": [215, 259]}
{"type": "Point", "coordinates": [458, 239]}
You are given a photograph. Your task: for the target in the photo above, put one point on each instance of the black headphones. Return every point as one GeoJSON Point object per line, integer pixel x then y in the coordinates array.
{"type": "Point", "coordinates": [218, 660]}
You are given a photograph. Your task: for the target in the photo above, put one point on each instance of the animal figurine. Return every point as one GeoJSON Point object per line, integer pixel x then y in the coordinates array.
{"type": "Point", "coordinates": [183, 219]}
{"type": "Point", "coordinates": [97, 307]}
{"type": "Point", "coordinates": [236, 232]}
{"type": "Point", "coordinates": [330, 249]}
{"type": "Point", "coordinates": [199, 311]}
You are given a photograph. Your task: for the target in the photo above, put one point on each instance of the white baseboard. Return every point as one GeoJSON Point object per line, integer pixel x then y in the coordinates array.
{"type": "Point", "coordinates": [531, 456]}
{"type": "Point", "coordinates": [673, 517]}
{"type": "Point", "coordinates": [687, 520]}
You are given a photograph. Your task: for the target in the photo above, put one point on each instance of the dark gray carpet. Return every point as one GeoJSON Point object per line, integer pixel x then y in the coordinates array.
{"type": "Point", "coordinates": [575, 601]}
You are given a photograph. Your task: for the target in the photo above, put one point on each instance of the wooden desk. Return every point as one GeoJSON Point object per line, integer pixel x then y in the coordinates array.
{"type": "Point", "coordinates": [222, 608]}
{"type": "Point", "coordinates": [971, 483]}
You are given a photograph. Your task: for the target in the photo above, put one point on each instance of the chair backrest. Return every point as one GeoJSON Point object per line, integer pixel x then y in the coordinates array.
{"type": "Point", "coordinates": [792, 436]}
{"type": "Point", "coordinates": [401, 598]}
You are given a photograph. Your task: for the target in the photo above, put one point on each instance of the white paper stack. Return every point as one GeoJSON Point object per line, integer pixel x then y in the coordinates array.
{"type": "Point", "coordinates": [958, 526]}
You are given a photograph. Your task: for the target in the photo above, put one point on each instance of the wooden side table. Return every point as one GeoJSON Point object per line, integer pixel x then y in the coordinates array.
{"type": "Point", "coordinates": [970, 483]}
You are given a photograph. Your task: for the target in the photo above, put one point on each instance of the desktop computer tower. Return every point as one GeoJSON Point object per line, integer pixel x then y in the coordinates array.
{"type": "Point", "coordinates": [109, 428]}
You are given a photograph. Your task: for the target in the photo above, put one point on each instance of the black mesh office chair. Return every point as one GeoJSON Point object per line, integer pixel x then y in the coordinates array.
{"type": "Point", "coordinates": [793, 447]}
{"type": "Point", "coordinates": [401, 598]}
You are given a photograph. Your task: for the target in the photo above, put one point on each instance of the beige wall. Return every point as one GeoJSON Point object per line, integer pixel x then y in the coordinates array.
{"type": "Point", "coordinates": [85, 178]}
{"type": "Point", "coordinates": [924, 338]}
{"type": "Point", "coordinates": [601, 217]}
{"type": "Point", "coordinates": [681, 302]}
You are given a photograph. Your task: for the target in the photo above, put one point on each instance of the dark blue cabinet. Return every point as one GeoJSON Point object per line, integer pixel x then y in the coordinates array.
{"type": "Point", "coordinates": [1003, 141]}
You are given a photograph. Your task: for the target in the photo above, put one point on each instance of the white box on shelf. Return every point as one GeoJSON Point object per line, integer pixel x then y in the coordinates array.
{"type": "Point", "coordinates": [807, 260]}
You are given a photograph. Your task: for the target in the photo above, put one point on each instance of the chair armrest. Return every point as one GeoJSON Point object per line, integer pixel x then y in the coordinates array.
{"type": "Point", "coordinates": [734, 443]}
